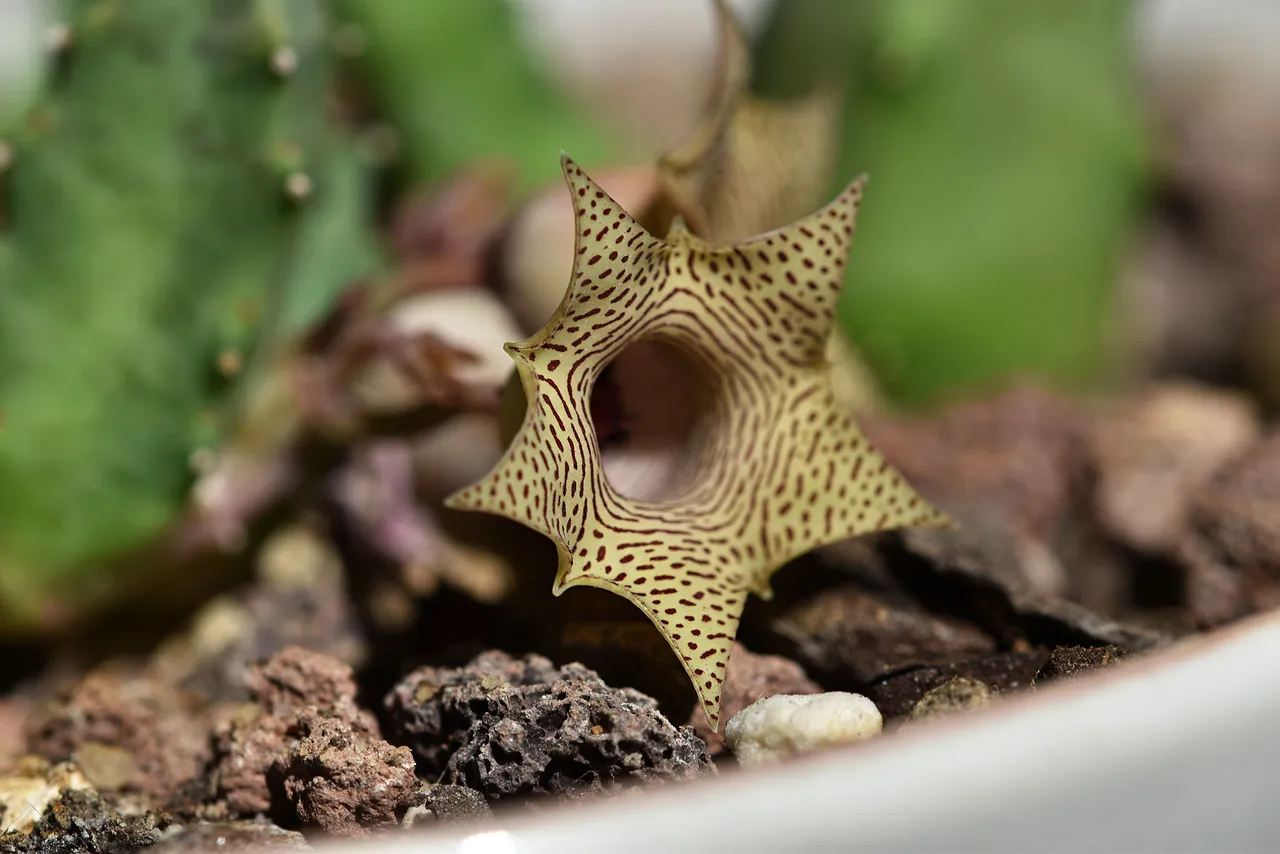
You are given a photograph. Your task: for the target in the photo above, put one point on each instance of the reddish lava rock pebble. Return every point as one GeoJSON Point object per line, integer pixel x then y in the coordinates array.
{"type": "Point", "coordinates": [343, 782]}
{"type": "Point", "coordinates": [298, 678]}
{"type": "Point", "coordinates": [306, 753]}
{"type": "Point", "coordinates": [505, 726]}
{"type": "Point", "coordinates": [749, 678]}
{"type": "Point", "coordinates": [163, 731]}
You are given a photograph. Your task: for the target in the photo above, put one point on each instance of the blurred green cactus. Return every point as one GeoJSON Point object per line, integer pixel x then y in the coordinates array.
{"type": "Point", "coordinates": [456, 84]}
{"type": "Point", "coordinates": [162, 191]}
{"type": "Point", "coordinates": [180, 198]}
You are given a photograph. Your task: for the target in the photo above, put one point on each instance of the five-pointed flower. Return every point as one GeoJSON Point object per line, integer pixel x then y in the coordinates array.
{"type": "Point", "coordinates": [779, 468]}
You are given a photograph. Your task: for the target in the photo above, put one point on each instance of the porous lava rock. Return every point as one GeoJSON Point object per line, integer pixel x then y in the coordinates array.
{"type": "Point", "coordinates": [507, 727]}
{"type": "Point", "coordinates": [338, 779]}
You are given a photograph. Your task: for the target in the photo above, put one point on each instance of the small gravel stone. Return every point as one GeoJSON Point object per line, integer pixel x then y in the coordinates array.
{"type": "Point", "coordinates": [958, 694]}
{"type": "Point", "coordinates": [751, 677]}
{"type": "Point", "coordinates": [298, 678]}
{"type": "Point", "coordinates": [109, 768]}
{"type": "Point", "coordinates": [977, 568]}
{"type": "Point", "coordinates": [260, 734]}
{"type": "Point", "coordinates": [783, 725]}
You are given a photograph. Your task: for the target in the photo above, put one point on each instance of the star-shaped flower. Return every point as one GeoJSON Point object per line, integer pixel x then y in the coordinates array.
{"type": "Point", "coordinates": [780, 468]}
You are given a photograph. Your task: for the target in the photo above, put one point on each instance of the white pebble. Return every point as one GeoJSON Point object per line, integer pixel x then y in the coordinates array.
{"type": "Point", "coordinates": [783, 725]}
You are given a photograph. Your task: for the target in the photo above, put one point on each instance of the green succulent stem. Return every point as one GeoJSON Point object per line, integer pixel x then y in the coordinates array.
{"type": "Point", "coordinates": [148, 231]}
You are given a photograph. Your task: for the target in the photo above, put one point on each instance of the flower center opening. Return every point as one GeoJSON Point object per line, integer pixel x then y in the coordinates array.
{"type": "Point", "coordinates": [654, 408]}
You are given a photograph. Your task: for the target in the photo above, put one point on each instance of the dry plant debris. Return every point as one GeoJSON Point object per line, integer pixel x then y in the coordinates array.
{"type": "Point", "coordinates": [751, 164]}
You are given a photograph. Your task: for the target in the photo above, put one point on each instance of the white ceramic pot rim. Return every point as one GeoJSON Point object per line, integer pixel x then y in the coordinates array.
{"type": "Point", "coordinates": [1178, 751]}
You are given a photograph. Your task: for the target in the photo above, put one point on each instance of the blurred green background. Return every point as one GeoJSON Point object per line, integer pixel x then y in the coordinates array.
{"type": "Point", "coordinates": [1002, 138]}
